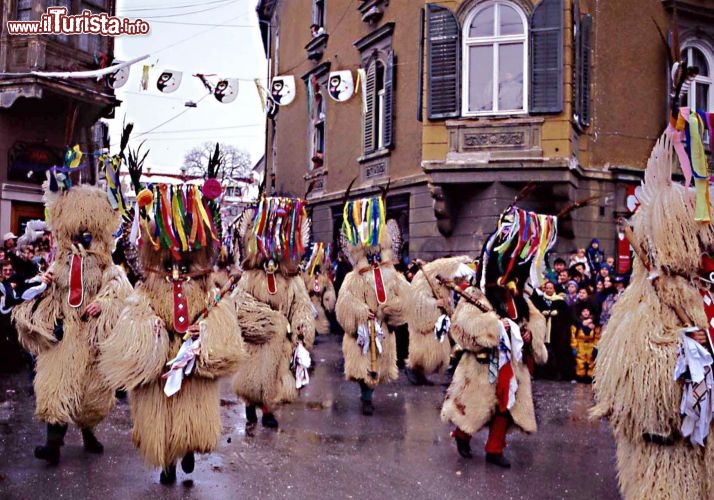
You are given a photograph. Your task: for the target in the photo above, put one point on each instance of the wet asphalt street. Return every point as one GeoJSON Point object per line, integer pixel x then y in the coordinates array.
{"type": "Point", "coordinates": [324, 448]}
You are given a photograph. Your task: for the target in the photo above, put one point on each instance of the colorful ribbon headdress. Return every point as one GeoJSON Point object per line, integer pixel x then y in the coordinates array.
{"type": "Point", "coordinates": [363, 221]}
{"type": "Point", "coordinates": [281, 228]}
{"type": "Point", "coordinates": [320, 256]}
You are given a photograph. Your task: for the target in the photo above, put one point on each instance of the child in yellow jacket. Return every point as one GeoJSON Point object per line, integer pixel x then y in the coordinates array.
{"type": "Point", "coordinates": [584, 337]}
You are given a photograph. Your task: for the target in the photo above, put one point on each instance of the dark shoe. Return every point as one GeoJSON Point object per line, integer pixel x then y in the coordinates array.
{"type": "Point", "coordinates": [498, 459]}
{"type": "Point", "coordinates": [413, 377]}
{"type": "Point", "coordinates": [250, 415]}
{"type": "Point", "coordinates": [268, 420]}
{"type": "Point", "coordinates": [91, 443]}
{"type": "Point", "coordinates": [426, 381]}
{"type": "Point", "coordinates": [49, 453]}
{"type": "Point", "coordinates": [463, 446]}
{"type": "Point", "coordinates": [168, 476]}
{"type": "Point", "coordinates": [188, 462]}
{"type": "Point", "coordinates": [367, 408]}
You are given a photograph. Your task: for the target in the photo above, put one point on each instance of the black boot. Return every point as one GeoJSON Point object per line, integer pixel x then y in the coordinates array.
{"type": "Point", "coordinates": [463, 446]}
{"type": "Point", "coordinates": [367, 407]}
{"type": "Point", "coordinates": [498, 459]}
{"type": "Point", "coordinates": [413, 376]}
{"type": "Point", "coordinates": [168, 476]}
{"type": "Point", "coordinates": [268, 420]}
{"type": "Point", "coordinates": [55, 438]}
{"type": "Point", "coordinates": [91, 443]}
{"type": "Point", "coordinates": [251, 416]}
{"type": "Point", "coordinates": [188, 462]}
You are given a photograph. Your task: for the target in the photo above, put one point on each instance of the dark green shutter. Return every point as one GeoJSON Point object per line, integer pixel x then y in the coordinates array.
{"type": "Point", "coordinates": [586, 27]}
{"type": "Point", "coordinates": [546, 57]}
{"type": "Point", "coordinates": [443, 63]}
{"type": "Point", "coordinates": [370, 95]}
{"type": "Point", "coordinates": [388, 139]}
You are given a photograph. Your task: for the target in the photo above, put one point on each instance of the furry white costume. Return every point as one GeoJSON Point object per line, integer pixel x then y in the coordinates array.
{"type": "Point", "coordinates": [61, 329]}
{"type": "Point", "coordinates": [373, 298]}
{"type": "Point", "coordinates": [176, 292]}
{"type": "Point", "coordinates": [634, 384]}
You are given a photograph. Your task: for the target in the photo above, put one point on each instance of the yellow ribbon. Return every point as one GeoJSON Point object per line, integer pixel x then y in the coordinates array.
{"type": "Point", "coordinates": [178, 221]}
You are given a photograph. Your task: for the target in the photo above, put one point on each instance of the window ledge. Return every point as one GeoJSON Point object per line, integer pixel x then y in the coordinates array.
{"type": "Point", "coordinates": [380, 153]}
{"type": "Point", "coordinates": [372, 10]}
{"type": "Point", "coordinates": [315, 173]}
{"type": "Point", "coordinates": [316, 47]}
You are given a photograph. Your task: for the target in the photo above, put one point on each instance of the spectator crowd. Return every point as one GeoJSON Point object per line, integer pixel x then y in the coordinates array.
{"type": "Point", "coordinates": [577, 298]}
{"type": "Point", "coordinates": [20, 267]}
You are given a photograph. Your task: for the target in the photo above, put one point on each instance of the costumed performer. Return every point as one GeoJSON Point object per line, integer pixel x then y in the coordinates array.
{"type": "Point", "coordinates": [80, 303]}
{"type": "Point", "coordinates": [316, 275]}
{"type": "Point", "coordinates": [373, 298]}
{"type": "Point", "coordinates": [497, 330]}
{"type": "Point", "coordinates": [272, 239]}
{"type": "Point", "coordinates": [175, 337]}
{"type": "Point", "coordinates": [430, 312]}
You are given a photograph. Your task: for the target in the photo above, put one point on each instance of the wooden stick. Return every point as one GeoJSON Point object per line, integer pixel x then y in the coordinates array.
{"type": "Point", "coordinates": [204, 313]}
{"type": "Point", "coordinates": [433, 286]}
{"type": "Point", "coordinates": [469, 298]}
{"type": "Point", "coordinates": [373, 373]}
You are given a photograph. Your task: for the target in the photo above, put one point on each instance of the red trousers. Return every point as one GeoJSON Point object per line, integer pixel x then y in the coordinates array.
{"type": "Point", "coordinates": [497, 433]}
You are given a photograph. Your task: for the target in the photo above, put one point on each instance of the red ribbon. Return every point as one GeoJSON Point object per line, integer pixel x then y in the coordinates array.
{"type": "Point", "coordinates": [272, 285]}
{"type": "Point", "coordinates": [379, 285]}
{"type": "Point", "coordinates": [76, 282]}
{"type": "Point", "coordinates": [180, 308]}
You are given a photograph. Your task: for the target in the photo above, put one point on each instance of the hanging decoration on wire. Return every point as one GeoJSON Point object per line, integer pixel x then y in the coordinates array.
{"type": "Point", "coordinates": [144, 82]}
{"type": "Point", "coordinates": [204, 80]}
{"type": "Point", "coordinates": [340, 85]}
{"type": "Point", "coordinates": [169, 81]}
{"type": "Point", "coordinates": [226, 90]}
{"type": "Point", "coordinates": [282, 90]}
{"type": "Point", "coordinates": [118, 78]}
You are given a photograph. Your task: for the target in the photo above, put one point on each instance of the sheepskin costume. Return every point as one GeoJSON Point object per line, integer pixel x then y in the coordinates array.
{"type": "Point", "coordinates": [374, 287]}
{"type": "Point", "coordinates": [55, 327]}
{"type": "Point", "coordinates": [271, 277]}
{"type": "Point", "coordinates": [634, 384]}
{"type": "Point", "coordinates": [319, 286]}
{"type": "Point", "coordinates": [471, 400]}
{"type": "Point", "coordinates": [492, 382]}
{"type": "Point", "coordinates": [153, 326]}
{"type": "Point", "coordinates": [427, 353]}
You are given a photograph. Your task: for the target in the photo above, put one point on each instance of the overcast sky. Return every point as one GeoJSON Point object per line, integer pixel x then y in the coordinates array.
{"type": "Point", "coordinates": [218, 37]}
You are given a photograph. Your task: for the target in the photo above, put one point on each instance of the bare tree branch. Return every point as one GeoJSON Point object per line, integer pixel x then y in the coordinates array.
{"type": "Point", "coordinates": [233, 163]}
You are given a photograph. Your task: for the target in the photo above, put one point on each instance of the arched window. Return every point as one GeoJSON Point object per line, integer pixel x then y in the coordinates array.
{"type": "Point", "coordinates": [495, 51]}
{"type": "Point", "coordinates": [701, 93]}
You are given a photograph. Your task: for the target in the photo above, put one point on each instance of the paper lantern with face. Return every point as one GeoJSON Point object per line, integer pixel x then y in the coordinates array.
{"type": "Point", "coordinates": [169, 81]}
{"type": "Point", "coordinates": [340, 85]}
{"type": "Point", "coordinates": [226, 90]}
{"type": "Point", "coordinates": [119, 77]}
{"type": "Point", "coordinates": [282, 90]}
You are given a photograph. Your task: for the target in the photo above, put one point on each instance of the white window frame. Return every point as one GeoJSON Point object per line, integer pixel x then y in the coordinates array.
{"type": "Point", "coordinates": [705, 80]}
{"type": "Point", "coordinates": [380, 117]}
{"type": "Point", "coordinates": [493, 41]}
